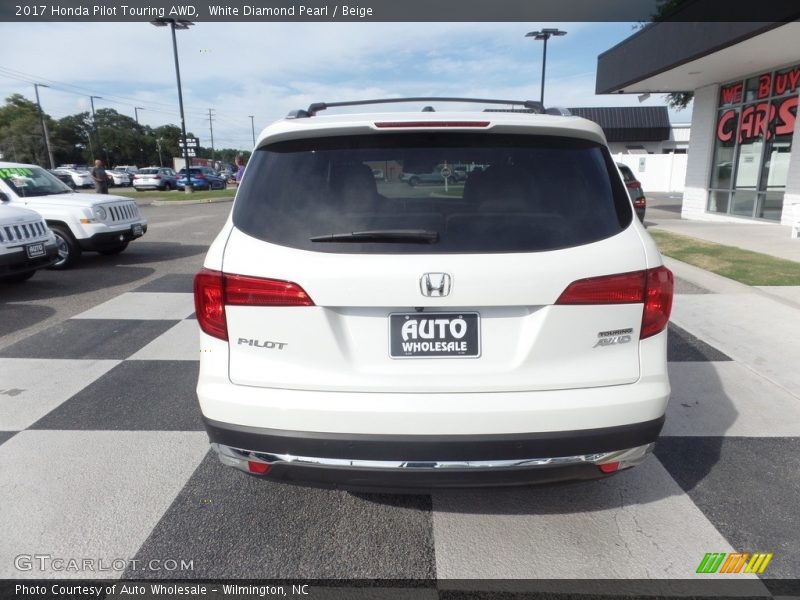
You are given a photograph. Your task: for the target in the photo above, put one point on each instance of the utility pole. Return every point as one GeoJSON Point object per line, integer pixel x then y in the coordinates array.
{"type": "Point", "coordinates": [253, 128]}
{"type": "Point", "coordinates": [160, 160]}
{"type": "Point", "coordinates": [94, 126]}
{"type": "Point", "coordinates": [45, 136]}
{"type": "Point", "coordinates": [211, 128]}
{"type": "Point", "coordinates": [136, 110]}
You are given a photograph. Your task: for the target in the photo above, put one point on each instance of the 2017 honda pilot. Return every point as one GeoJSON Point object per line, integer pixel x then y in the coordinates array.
{"type": "Point", "coordinates": [509, 331]}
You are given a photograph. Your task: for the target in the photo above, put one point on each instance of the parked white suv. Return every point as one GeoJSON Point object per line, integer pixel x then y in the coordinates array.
{"type": "Point", "coordinates": [80, 222]}
{"type": "Point", "coordinates": [26, 243]}
{"type": "Point", "coordinates": [362, 333]}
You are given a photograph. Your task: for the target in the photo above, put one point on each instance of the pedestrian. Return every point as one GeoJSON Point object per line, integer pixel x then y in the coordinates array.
{"type": "Point", "coordinates": [239, 169]}
{"type": "Point", "coordinates": [100, 177]}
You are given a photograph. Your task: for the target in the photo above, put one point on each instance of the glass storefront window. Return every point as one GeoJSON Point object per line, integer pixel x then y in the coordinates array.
{"type": "Point", "coordinates": [753, 143]}
{"type": "Point", "coordinates": [743, 202]}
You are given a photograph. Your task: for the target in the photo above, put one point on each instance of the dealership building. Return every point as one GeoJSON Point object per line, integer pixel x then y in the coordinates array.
{"type": "Point", "coordinates": [743, 159]}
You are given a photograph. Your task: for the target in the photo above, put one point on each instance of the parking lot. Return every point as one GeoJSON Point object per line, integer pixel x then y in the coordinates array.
{"type": "Point", "coordinates": [103, 453]}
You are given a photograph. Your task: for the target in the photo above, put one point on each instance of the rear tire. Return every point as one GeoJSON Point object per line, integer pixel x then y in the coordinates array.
{"type": "Point", "coordinates": [167, 187]}
{"type": "Point", "coordinates": [68, 249]}
{"type": "Point", "coordinates": [413, 181]}
{"type": "Point", "coordinates": [114, 249]}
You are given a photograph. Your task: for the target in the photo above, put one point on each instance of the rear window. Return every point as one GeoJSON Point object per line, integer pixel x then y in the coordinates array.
{"type": "Point", "coordinates": [408, 193]}
{"type": "Point", "coordinates": [627, 174]}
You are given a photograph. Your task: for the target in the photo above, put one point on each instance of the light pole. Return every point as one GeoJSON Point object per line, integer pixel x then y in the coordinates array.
{"type": "Point", "coordinates": [544, 35]}
{"type": "Point", "coordinates": [45, 137]}
{"type": "Point", "coordinates": [136, 110]}
{"type": "Point", "coordinates": [179, 24]}
{"type": "Point", "coordinates": [253, 129]}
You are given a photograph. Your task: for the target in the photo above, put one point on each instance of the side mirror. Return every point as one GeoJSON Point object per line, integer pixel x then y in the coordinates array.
{"type": "Point", "coordinates": [4, 197]}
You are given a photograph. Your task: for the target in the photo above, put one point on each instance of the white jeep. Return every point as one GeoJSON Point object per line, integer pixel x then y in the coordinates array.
{"type": "Point", "coordinates": [80, 222]}
{"type": "Point", "coordinates": [26, 243]}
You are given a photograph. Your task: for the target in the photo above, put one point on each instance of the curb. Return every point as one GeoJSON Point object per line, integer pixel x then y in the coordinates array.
{"type": "Point", "coordinates": [186, 202]}
{"type": "Point", "coordinates": [717, 284]}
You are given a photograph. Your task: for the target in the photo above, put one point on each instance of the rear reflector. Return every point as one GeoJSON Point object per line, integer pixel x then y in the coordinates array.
{"type": "Point", "coordinates": [258, 468]}
{"type": "Point", "coordinates": [611, 467]}
{"type": "Point", "coordinates": [213, 290]}
{"type": "Point", "coordinates": [399, 124]}
{"type": "Point", "coordinates": [653, 288]}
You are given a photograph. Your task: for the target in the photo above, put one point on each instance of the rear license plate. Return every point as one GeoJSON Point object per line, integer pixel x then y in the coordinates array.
{"type": "Point", "coordinates": [136, 231]}
{"type": "Point", "coordinates": [434, 335]}
{"type": "Point", "coordinates": [34, 250]}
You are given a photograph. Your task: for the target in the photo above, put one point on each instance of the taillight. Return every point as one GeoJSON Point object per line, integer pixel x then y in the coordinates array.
{"type": "Point", "coordinates": [214, 290]}
{"type": "Point", "coordinates": [623, 288]}
{"type": "Point", "coordinates": [633, 183]}
{"type": "Point", "coordinates": [209, 303]}
{"type": "Point", "coordinates": [653, 288]}
{"type": "Point", "coordinates": [156, 176]}
{"type": "Point", "coordinates": [254, 291]}
{"type": "Point", "coordinates": [640, 201]}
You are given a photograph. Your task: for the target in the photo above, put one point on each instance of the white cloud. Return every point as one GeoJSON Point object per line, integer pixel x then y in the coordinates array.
{"type": "Point", "coordinates": [267, 69]}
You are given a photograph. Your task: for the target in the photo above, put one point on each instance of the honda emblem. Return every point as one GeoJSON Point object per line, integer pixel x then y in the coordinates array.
{"type": "Point", "coordinates": [435, 285]}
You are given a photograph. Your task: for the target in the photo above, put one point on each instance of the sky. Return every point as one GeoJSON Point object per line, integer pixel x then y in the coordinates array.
{"type": "Point", "coordinates": [268, 69]}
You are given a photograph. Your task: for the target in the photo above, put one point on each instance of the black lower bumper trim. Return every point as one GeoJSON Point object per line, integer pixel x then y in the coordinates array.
{"type": "Point", "coordinates": [435, 447]}
{"type": "Point", "coordinates": [109, 239]}
{"type": "Point", "coordinates": [18, 262]}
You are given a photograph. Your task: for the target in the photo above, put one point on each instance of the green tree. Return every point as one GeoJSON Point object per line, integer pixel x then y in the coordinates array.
{"type": "Point", "coordinates": [664, 10]}
{"type": "Point", "coordinates": [21, 131]}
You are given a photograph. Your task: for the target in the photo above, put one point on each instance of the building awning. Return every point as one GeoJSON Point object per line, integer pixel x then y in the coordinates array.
{"type": "Point", "coordinates": [629, 123]}
{"type": "Point", "coordinates": [684, 56]}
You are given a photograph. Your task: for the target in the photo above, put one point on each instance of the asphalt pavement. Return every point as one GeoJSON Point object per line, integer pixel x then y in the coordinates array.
{"type": "Point", "coordinates": [102, 451]}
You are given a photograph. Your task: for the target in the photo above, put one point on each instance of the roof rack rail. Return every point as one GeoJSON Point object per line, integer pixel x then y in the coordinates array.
{"type": "Point", "coordinates": [313, 109]}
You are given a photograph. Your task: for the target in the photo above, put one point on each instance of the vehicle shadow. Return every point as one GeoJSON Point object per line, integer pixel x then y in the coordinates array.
{"type": "Point", "coordinates": [83, 277]}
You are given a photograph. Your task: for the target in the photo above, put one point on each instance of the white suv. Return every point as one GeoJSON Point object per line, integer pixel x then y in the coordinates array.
{"type": "Point", "coordinates": [26, 243]}
{"type": "Point", "coordinates": [81, 222]}
{"type": "Point", "coordinates": [507, 329]}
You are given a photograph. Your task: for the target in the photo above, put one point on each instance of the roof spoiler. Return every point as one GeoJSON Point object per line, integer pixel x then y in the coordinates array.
{"type": "Point", "coordinates": [531, 105]}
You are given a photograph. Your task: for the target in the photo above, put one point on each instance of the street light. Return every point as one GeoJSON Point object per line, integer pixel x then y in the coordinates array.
{"type": "Point", "coordinates": [544, 35]}
{"type": "Point", "coordinates": [253, 129]}
{"type": "Point", "coordinates": [179, 24]}
{"type": "Point", "coordinates": [46, 138]}
{"type": "Point", "coordinates": [136, 110]}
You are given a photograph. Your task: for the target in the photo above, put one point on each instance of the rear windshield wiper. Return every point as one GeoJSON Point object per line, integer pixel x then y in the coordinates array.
{"type": "Point", "coordinates": [399, 236]}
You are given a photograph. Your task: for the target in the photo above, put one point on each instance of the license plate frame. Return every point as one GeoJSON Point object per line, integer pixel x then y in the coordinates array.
{"type": "Point", "coordinates": [35, 250]}
{"type": "Point", "coordinates": [443, 327]}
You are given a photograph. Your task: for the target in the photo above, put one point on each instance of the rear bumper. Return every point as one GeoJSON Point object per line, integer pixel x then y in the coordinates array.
{"type": "Point", "coordinates": [418, 462]}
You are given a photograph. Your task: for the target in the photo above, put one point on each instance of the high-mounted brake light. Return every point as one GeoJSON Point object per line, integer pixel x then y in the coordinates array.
{"type": "Point", "coordinates": [214, 290]}
{"type": "Point", "coordinates": [401, 124]}
{"type": "Point", "coordinates": [653, 288]}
